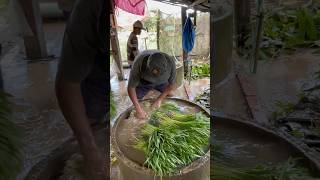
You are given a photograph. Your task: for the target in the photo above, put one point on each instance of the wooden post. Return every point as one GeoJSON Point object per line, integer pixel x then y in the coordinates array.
{"type": "Point", "coordinates": [257, 37]}
{"type": "Point", "coordinates": [184, 54]}
{"type": "Point", "coordinates": [115, 43]}
{"type": "Point", "coordinates": [158, 29]}
{"type": "Point", "coordinates": [195, 18]}
{"type": "Point", "coordinates": [242, 21]}
{"type": "Point", "coordinates": [35, 45]}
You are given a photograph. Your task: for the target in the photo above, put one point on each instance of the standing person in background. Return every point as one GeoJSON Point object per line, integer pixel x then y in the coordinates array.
{"type": "Point", "coordinates": [132, 43]}
{"type": "Point", "coordinates": [82, 82]}
{"type": "Point", "coordinates": [66, 6]}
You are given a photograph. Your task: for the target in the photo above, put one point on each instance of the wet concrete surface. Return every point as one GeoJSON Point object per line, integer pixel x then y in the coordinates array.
{"type": "Point", "coordinates": [34, 105]}
{"type": "Point", "coordinates": [54, 36]}
{"type": "Point", "coordinates": [282, 78]}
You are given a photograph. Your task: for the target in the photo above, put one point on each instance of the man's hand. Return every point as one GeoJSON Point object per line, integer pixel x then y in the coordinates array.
{"type": "Point", "coordinates": [157, 104]}
{"type": "Point", "coordinates": [95, 164]}
{"type": "Point", "coordinates": [133, 96]}
{"type": "Point", "coordinates": [141, 114]}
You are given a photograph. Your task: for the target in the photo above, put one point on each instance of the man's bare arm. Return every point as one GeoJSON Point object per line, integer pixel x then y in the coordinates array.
{"type": "Point", "coordinates": [72, 106]}
{"type": "Point", "coordinates": [133, 96]}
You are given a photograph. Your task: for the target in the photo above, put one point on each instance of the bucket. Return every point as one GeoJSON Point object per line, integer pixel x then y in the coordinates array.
{"type": "Point", "coordinates": [131, 169]}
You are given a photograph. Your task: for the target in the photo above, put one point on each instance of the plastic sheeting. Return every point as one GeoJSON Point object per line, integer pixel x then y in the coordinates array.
{"type": "Point", "coordinates": [132, 6]}
{"type": "Point", "coordinates": [188, 36]}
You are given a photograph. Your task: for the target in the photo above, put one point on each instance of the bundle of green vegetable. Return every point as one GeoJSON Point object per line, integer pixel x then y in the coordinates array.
{"type": "Point", "coordinates": [113, 110]}
{"type": "Point", "coordinates": [173, 139]}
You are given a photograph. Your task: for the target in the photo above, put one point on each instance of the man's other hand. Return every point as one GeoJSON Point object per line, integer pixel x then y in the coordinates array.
{"type": "Point", "coordinates": [156, 104]}
{"type": "Point", "coordinates": [141, 114]}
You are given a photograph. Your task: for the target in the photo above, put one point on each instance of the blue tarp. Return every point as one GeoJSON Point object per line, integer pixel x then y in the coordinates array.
{"type": "Point", "coordinates": [188, 35]}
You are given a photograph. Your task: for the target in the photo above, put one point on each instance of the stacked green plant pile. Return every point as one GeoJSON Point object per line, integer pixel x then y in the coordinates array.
{"type": "Point", "coordinates": [10, 142]}
{"type": "Point", "coordinates": [287, 30]}
{"type": "Point", "coordinates": [173, 139]}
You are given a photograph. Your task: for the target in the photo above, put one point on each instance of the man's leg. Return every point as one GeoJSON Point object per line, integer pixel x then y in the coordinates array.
{"type": "Point", "coordinates": [142, 90]}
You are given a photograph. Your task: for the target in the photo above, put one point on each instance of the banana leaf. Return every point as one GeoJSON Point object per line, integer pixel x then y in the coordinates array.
{"type": "Point", "coordinates": [10, 142]}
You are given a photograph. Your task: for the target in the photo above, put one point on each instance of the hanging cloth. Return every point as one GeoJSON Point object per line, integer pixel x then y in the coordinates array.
{"type": "Point", "coordinates": [188, 36]}
{"type": "Point", "coordinates": [132, 6]}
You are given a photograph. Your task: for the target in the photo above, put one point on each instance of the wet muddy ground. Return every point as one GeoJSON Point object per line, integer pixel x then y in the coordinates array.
{"type": "Point", "coordinates": [281, 79]}
{"type": "Point", "coordinates": [34, 105]}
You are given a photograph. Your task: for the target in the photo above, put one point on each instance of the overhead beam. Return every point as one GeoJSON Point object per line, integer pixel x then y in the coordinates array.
{"type": "Point", "coordinates": [197, 3]}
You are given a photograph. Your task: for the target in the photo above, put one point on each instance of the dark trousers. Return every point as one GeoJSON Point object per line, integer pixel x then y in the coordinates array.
{"type": "Point", "coordinates": [143, 89]}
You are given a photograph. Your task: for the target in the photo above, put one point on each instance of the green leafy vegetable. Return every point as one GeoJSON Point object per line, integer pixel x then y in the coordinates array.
{"type": "Point", "coordinates": [113, 109]}
{"type": "Point", "coordinates": [10, 142]}
{"type": "Point", "coordinates": [176, 140]}
{"type": "Point", "coordinates": [200, 71]}
{"type": "Point", "coordinates": [285, 31]}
